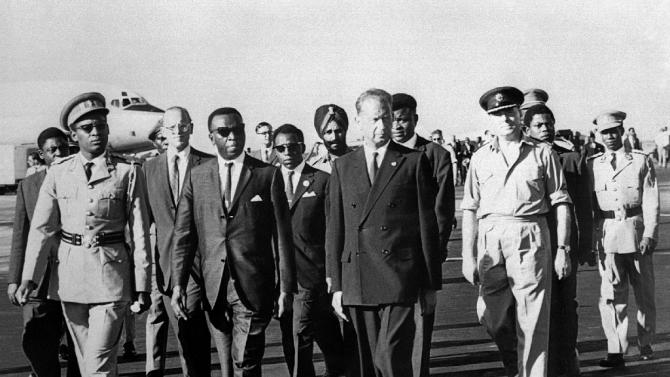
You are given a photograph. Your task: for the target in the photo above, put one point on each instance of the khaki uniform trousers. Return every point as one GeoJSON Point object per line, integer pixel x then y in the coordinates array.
{"type": "Point", "coordinates": [515, 271]}
{"type": "Point", "coordinates": [616, 271]}
{"type": "Point", "coordinates": [95, 330]}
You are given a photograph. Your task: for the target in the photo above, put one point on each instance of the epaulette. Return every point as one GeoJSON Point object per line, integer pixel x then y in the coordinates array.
{"type": "Point", "coordinates": [595, 156]}
{"type": "Point", "coordinates": [639, 152]}
{"type": "Point", "coordinates": [60, 160]}
{"type": "Point", "coordinates": [118, 159]}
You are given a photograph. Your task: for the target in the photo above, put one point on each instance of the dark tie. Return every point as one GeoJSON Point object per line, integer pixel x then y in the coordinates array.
{"type": "Point", "coordinates": [88, 168]}
{"type": "Point", "coordinates": [266, 156]}
{"type": "Point", "coordinates": [229, 184]}
{"type": "Point", "coordinates": [174, 180]}
{"type": "Point", "coordinates": [613, 161]}
{"type": "Point", "coordinates": [289, 187]}
{"type": "Point", "coordinates": [372, 168]}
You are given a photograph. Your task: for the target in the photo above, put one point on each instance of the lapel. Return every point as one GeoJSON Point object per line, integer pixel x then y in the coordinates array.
{"type": "Point", "coordinates": [245, 177]}
{"type": "Point", "coordinates": [393, 159]}
{"type": "Point", "coordinates": [100, 171]}
{"type": "Point", "coordinates": [421, 143]}
{"type": "Point", "coordinates": [163, 178]}
{"type": "Point", "coordinates": [305, 182]}
{"type": "Point", "coordinates": [620, 165]}
{"type": "Point", "coordinates": [359, 173]}
{"type": "Point", "coordinates": [215, 178]}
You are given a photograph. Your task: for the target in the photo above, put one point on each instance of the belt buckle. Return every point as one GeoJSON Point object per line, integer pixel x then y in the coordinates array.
{"type": "Point", "coordinates": [620, 213]}
{"type": "Point", "coordinates": [89, 240]}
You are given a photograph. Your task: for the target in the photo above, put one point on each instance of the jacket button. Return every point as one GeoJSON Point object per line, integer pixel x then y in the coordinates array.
{"type": "Point", "coordinates": [353, 205]}
{"type": "Point", "coordinates": [392, 205]}
{"type": "Point", "coordinates": [91, 200]}
{"type": "Point", "coordinates": [90, 186]}
{"type": "Point", "coordinates": [89, 227]}
{"type": "Point", "coordinates": [230, 217]}
{"type": "Point", "coordinates": [383, 227]}
{"type": "Point", "coordinates": [357, 253]}
{"type": "Point", "coordinates": [385, 251]}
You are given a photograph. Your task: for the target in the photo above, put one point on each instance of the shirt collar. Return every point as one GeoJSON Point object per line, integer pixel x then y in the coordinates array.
{"type": "Point", "coordinates": [411, 142]}
{"type": "Point", "coordinates": [98, 161]}
{"type": "Point", "coordinates": [297, 170]}
{"type": "Point", "coordinates": [183, 154]}
{"type": "Point", "coordinates": [381, 151]}
{"type": "Point", "coordinates": [239, 160]}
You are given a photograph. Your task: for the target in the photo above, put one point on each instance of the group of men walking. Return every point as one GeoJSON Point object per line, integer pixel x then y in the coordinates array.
{"type": "Point", "coordinates": [344, 249]}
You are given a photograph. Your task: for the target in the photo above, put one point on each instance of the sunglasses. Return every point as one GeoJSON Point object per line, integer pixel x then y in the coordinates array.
{"type": "Point", "coordinates": [88, 127]}
{"type": "Point", "coordinates": [226, 131]}
{"type": "Point", "coordinates": [291, 148]}
{"type": "Point", "coordinates": [179, 127]}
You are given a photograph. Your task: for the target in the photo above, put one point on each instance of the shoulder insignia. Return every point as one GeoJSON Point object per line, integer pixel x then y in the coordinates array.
{"type": "Point", "coordinates": [60, 160]}
{"type": "Point", "coordinates": [637, 151]}
{"type": "Point", "coordinates": [595, 156]}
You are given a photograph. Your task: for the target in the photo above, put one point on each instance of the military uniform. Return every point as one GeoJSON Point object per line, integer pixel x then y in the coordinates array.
{"type": "Point", "coordinates": [97, 273]}
{"type": "Point", "coordinates": [626, 210]}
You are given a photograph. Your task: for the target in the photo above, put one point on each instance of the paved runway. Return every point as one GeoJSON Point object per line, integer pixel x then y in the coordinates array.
{"type": "Point", "coordinates": [460, 345]}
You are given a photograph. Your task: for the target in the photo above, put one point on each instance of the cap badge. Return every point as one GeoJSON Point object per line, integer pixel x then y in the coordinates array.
{"type": "Point", "coordinates": [499, 97]}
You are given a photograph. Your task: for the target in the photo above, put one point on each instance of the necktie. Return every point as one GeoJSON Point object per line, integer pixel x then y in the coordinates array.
{"type": "Point", "coordinates": [373, 167]}
{"type": "Point", "coordinates": [229, 184]}
{"type": "Point", "coordinates": [289, 187]}
{"type": "Point", "coordinates": [174, 180]}
{"type": "Point", "coordinates": [613, 161]}
{"type": "Point", "coordinates": [88, 168]}
{"type": "Point", "coordinates": [266, 156]}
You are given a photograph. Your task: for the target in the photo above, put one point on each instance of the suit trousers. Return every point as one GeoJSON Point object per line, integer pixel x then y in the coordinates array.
{"type": "Point", "coordinates": [563, 324]}
{"type": "Point", "coordinates": [95, 330]}
{"type": "Point", "coordinates": [385, 335]}
{"type": "Point", "coordinates": [238, 332]}
{"type": "Point", "coordinates": [43, 329]}
{"type": "Point", "coordinates": [312, 319]}
{"type": "Point", "coordinates": [193, 338]}
{"type": "Point", "coordinates": [515, 268]}
{"type": "Point", "coordinates": [422, 340]}
{"type": "Point", "coordinates": [617, 270]}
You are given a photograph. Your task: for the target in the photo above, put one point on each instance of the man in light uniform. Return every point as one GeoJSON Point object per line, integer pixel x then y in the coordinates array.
{"type": "Point", "coordinates": [511, 185]}
{"type": "Point", "coordinates": [85, 204]}
{"type": "Point", "coordinates": [626, 209]}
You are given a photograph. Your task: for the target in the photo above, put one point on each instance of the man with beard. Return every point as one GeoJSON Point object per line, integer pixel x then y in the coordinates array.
{"type": "Point", "coordinates": [512, 184]}
{"type": "Point", "coordinates": [403, 132]}
{"type": "Point", "coordinates": [165, 176]}
{"type": "Point", "coordinates": [626, 210]}
{"type": "Point", "coordinates": [42, 315]}
{"type": "Point", "coordinates": [563, 359]}
{"type": "Point", "coordinates": [87, 203]}
{"type": "Point", "coordinates": [331, 124]}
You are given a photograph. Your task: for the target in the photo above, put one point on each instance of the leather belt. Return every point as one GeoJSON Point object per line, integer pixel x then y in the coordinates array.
{"type": "Point", "coordinates": [619, 214]}
{"type": "Point", "coordinates": [99, 239]}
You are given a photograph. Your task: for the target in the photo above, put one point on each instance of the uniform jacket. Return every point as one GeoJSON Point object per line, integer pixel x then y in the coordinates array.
{"type": "Point", "coordinates": [163, 208]}
{"type": "Point", "coordinates": [26, 198]}
{"type": "Point", "coordinates": [273, 160]}
{"type": "Point", "coordinates": [242, 238]}
{"type": "Point", "coordinates": [308, 220]}
{"type": "Point", "coordinates": [325, 163]}
{"type": "Point", "coordinates": [382, 242]}
{"type": "Point", "coordinates": [114, 197]}
{"type": "Point", "coordinates": [440, 161]}
{"type": "Point", "coordinates": [632, 184]}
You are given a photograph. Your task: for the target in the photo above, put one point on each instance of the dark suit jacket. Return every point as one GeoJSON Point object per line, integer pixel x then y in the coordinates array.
{"type": "Point", "coordinates": [26, 197]}
{"type": "Point", "coordinates": [382, 242]}
{"type": "Point", "coordinates": [273, 160]}
{"type": "Point", "coordinates": [308, 220]}
{"type": "Point", "coordinates": [636, 144]}
{"type": "Point", "coordinates": [440, 161]}
{"type": "Point", "coordinates": [247, 239]}
{"type": "Point", "coordinates": [163, 208]}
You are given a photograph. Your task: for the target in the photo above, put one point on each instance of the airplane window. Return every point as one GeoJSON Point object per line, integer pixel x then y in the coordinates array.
{"type": "Point", "coordinates": [124, 94]}
{"type": "Point", "coordinates": [126, 102]}
{"type": "Point", "coordinates": [115, 102]}
{"type": "Point", "coordinates": [135, 100]}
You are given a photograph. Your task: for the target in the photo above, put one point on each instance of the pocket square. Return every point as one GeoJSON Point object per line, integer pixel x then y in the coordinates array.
{"type": "Point", "coordinates": [309, 194]}
{"type": "Point", "coordinates": [256, 198]}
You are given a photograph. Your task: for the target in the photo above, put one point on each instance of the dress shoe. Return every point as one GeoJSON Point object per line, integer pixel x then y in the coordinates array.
{"type": "Point", "coordinates": [646, 353]}
{"type": "Point", "coordinates": [613, 360]}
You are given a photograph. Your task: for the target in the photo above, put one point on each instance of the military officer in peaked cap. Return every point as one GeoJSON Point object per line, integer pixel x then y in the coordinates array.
{"type": "Point", "coordinates": [86, 202]}
{"type": "Point", "coordinates": [534, 97]}
{"type": "Point", "coordinates": [331, 124]}
{"type": "Point", "coordinates": [512, 183]}
{"type": "Point", "coordinates": [626, 211]}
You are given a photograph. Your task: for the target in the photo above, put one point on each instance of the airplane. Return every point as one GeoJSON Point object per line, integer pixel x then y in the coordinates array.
{"type": "Point", "coordinates": [27, 108]}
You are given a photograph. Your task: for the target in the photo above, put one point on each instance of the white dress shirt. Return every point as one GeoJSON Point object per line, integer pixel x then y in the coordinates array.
{"type": "Point", "coordinates": [183, 163]}
{"type": "Point", "coordinates": [296, 175]}
{"type": "Point", "coordinates": [265, 153]}
{"type": "Point", "coordinates": [411, 142]}
{"type": "Point", "coordinates": [380, 154]}
{"type": "Point", "coordinates": [234, 174]}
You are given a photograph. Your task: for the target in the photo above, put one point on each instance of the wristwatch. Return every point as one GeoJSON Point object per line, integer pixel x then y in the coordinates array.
{"type": "Point", "coordinates": [564, 247]}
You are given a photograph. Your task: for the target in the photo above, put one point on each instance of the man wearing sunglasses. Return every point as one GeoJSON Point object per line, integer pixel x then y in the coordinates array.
{"type": "Point", "coordinates": [312, 319]}
{"type": "Point", "coordinates": [165, 176]}
{"type": "Point", "coordinates": [233, 211]}
{"type": "Point", "coordinates": [87, 203]}
{"type": "Point", "coordinates": [266, 153]}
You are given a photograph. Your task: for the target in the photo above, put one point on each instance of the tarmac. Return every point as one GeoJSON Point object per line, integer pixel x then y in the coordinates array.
{"type": "Point", "coordinates": [460, 346]}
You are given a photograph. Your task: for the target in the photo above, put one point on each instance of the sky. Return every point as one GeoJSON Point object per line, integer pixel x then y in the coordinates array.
{"type": "Point", "coordinates": [277, 61]}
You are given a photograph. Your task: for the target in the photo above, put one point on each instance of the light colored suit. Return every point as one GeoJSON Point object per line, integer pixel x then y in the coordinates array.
{"type": "Point", "coordinates": [629, 194]}
{"type": "Point", "coordinates": [94, 282]}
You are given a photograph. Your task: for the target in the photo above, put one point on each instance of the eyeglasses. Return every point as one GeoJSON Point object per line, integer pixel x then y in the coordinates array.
{"type": "Point", "coordinates": [291, 148]}
{"type": "Point", "coordinates": [88, 127]}
{"type": "Point", "coordinates": [226, 131]}
{"type": "Point", "coordinates": [179, 127]}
